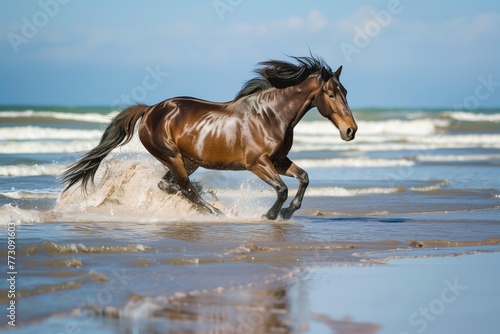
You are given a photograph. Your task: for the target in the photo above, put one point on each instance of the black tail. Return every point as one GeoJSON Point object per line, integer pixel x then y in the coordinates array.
{"type": "Point", "coordinates": [120, 129]}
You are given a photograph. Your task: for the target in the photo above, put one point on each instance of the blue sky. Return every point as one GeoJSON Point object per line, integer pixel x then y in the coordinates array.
{"type": "Point", "coordinates": [395, 53]}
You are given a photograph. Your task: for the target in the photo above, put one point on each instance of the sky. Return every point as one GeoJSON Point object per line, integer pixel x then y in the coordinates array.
{"type": "Point", "coordinates": [395, 53]}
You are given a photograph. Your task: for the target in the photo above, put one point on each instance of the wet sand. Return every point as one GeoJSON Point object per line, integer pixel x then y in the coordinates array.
{"type": "Point", "coordinates": [448, 294]}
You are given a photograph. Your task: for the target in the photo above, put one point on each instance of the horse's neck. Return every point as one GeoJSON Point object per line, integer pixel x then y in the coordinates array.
{"type": "Point", "coordinates": [299, 100]}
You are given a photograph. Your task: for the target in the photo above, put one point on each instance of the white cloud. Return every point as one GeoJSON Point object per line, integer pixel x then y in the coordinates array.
{"type": "Point", "coordinates": [358, 18]}
{"type": "Point", "coordinates": [316, 20]}
{"type": "Point", "coordinates": [312, 22]}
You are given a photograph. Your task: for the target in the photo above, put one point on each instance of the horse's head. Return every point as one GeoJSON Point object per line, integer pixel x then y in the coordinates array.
{"type": "Point", "coordinates": [331, 102]}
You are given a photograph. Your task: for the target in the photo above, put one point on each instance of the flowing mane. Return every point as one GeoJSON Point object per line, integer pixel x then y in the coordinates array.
{"type": "Point", "coordinates": [282, 74]}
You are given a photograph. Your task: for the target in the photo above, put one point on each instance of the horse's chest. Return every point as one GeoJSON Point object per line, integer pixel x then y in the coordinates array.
{"type": "Point", "coordinates": [287, 142]}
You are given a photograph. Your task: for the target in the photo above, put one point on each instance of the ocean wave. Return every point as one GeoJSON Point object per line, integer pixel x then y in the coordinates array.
{"type": "Point", "coordinates": [417, 127]}
{"type": "Point", "coordinates": [30, 146]}
{"type": "Point", "coordinates": [34, 194]}
{"type": "Point", "coordinates": [33, 170]}
{"type": "Point", "coordinates": [55, 115]}
{"type": "Point", "coordinates": [74, 283]}
{"type": "Point", "coordinates": [353, 162]}
{"type": "Point", "coordinates": [12, 214]}
{"type": "Point", "coordinates": [409, 143]}
{"type": "Point", "coordinates": [54, 248]}
{"type": "Point", "coordinates": [37, 133]}
{"type": "Point", "coordinates": [257, 192]}
{"type": "Point", "coordinates": [457, 158]}
{"type": "Point", "coordinates": [472, 117]}
{"type": "Point", "coordinates": [349, 192]}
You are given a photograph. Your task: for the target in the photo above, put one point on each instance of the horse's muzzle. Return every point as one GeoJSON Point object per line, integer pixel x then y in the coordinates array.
{"type": "Point", "coordinates": [348, 134]}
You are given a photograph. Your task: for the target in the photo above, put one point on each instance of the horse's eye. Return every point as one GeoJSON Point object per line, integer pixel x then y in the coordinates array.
{"type": "Point", "coordinates": [331, 96]}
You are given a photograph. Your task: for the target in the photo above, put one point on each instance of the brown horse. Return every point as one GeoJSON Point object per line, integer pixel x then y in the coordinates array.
{"type": "Point", "coordinates": [253, 132]}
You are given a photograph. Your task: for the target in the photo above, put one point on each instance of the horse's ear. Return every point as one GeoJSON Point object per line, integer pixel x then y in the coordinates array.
{"type": "Point", "coordinates": [337, 73]}
{"type": "Point", "coordinates": [326, 74]}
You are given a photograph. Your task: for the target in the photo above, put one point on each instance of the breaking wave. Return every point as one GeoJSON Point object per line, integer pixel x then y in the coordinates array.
{"type": "Point", "coordinates": [55, 115]}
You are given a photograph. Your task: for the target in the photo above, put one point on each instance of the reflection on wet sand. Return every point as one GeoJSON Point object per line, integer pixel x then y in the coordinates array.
{"type": "Point", "coordinates": [249, 310]}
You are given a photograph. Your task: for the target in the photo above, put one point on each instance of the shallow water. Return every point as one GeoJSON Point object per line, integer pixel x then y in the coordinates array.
{"type": "Point", "coordinates": [126, 257]}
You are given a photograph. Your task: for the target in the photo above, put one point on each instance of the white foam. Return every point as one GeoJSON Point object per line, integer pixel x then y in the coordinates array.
{"type": "Point", "coordinates": [35, 194]}
{"type": "Point", "coordinates": [85, 117]}
{"type": "Point", "coordinates": [419, 127]}
{"type": "Point", "coordinates": [353, 162]}
{"type": "Point", "coordinates": [343, 192]}
{"type": "Point", "coordinates": [13, 214]}
{"type": "Point", "coordinates": [390, 135]}
{"type": "Point", "coordinates": [254, 193]}
{"type": "Point", "coordinates": [456, 158]}
{"type": "Point", "coordinates": [436, 186]}
{"type": "Point", "coordinates": [473, 117]}
{"type": "Point", "coordinates": [124, 190]}
{"type": "Point", "coordinates": [26, 147]}
{"type": "Point", "coordinates": [397, 143]}
{"type": "Point", "coordinates": [67, 146]}
{"type": "Point", "coordinates": [33, 170]}
{"type": "Point", "coordinates": [37, 133]}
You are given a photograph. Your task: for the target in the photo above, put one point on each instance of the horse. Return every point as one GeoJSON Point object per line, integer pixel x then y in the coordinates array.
{"type": "Point", "coordinates": [253, 132]}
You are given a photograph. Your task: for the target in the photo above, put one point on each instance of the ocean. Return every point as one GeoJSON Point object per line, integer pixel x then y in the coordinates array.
{"type": "Point", "coordinates": [126, 257]}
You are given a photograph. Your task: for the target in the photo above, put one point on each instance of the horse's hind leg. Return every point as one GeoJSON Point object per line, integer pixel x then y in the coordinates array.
{"type": "Point", "coordinates": [180, 175]}
{"type": "Point", "coordinates": [168, 182]}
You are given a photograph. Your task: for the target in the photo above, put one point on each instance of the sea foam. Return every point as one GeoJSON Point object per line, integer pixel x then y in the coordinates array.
{"type": "Point", "coordinates": [54, 115]}
{"type": "Point", "coordinates": [37, 133]}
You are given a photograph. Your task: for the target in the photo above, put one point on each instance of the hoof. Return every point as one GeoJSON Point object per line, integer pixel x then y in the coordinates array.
{"type": "Point", "coordinates": [270, 216]}
{"type": "Point", "coordinates": [286, 213]}
{"type": "Point", "coordinates": [213, 211]}
{"type": "Point", "coordinates": [217, 212]}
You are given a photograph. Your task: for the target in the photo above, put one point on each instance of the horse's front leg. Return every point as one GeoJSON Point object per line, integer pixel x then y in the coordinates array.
{"type": "Point", "coordinates": [266, 171]}
{"type": "Point", "coordinates": [288, 168]}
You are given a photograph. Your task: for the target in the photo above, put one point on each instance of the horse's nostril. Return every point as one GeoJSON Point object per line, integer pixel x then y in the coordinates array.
{"type": "Point", "coordinates": [350, 132]}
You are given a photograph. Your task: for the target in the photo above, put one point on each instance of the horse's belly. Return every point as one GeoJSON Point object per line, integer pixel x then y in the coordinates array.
{"type": "Point", "coordinates": [215, 157]}
{"type": "Point", "coordinates": [213, 148]}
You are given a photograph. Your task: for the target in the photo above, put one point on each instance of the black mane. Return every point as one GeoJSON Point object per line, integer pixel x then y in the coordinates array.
{"type": "Point", "coordinates": [282, 74]}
